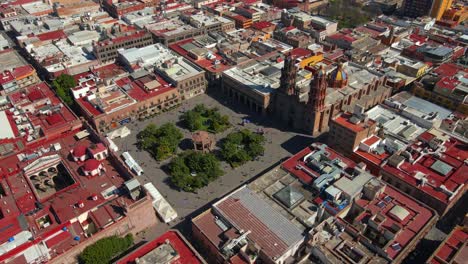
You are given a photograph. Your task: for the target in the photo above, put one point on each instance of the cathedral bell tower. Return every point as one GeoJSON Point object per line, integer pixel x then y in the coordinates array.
{"type": "Point", "coordinates": [318, 90]}
{"type": "Point", "coordinates": [288, 76]}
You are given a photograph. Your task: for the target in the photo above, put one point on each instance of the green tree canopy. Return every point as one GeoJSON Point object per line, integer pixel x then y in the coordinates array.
{"type": "Point", "coordinates": [104, 250]}
{"type": "Point", "coordinates": [240, 147]}
{"type": "Point", "coordinates": [207, 119]}
{"type": "Point", "coordinates": [348, 15]}
{"type": "Point", "coordinates": [192, 170]}
{"type": "Point", "coordinates": [161, 142]}
{"type": "Point", "coordinates": [63, 85]}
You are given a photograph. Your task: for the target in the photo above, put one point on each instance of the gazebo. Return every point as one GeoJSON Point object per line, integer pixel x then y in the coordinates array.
{"type": "Point", "coordinates": [203, 141]}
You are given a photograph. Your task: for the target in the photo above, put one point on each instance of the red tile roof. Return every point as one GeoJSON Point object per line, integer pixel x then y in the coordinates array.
{"type": "Point", "coordinates": [344, 120]}
{"type": "Point", "coordinates": [22, 71]}
{"type": "Point", "coordinates": [79, 151]}
{"type": "Point", "coordinates": [126, 37]}
{"type": "Point", "coordinates": [418, 38]}
{"type": "Point", "coordinates": [372, 140]}
{"type": "Point", "coordinates": [449, 69]}
{"type": "Point", "coordinates": [91, 164]}
{"type": "Point", "coordinates": [453, 248]}
{"type": "Point", "coordinates": [62, 235]}
{"type": "Point", "coordinates": [416, 221]}
{"type": "Point", "coordinates": [108, 71]}
{"type": "Point", "coordinates": [204, 63]}
{"type": "Point", "coordinates": [454, 155]}
{"type": "Point", "coordinates": [187, 255]}
{"type": "Point", "coordinates": [262, 24]}
{"type": "Point", "coordinates": [448, 83]}
{"type": "Point", "coordinates": [21, 197]}
{"type": "Point", "coordinates": [340, 36]}
{"type": "Point", "coordinates": [93, 111]}
{"type": "Point", "coordinates": [206, 223]}
{"type": "Point", "coordinates": [55, 119]}
{"type": "Point", "coordinates": [98, 148]}
{"type": "Point", "coordinates": [139, 93]}
{"type": "Point", "coordinates": [35, 95]}
{"type": "Point", "coordinates": [52, 35]}
{"type": "Point", "coordinates": [260, 233]}
{"type": "Point", "coordinates": [301, 52]}
{"type": "Point", "coordinates": [6, 77]}
{"type": "Point", "coordinates": [21, 2]}
{"type": "Point", "coordinates": [292, 164]}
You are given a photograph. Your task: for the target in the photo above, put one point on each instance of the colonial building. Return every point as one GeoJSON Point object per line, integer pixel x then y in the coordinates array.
{"type": "Point", "coordinates": [311, 109]}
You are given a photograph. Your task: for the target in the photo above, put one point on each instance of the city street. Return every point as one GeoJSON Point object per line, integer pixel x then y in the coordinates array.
{"type": "Point", "coordinates": [279, 144]}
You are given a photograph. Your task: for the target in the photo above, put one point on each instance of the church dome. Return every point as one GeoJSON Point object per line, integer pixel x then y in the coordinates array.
{"type": "Point", "coordinates": [339, 77]}
{"type": "Point", "coordinates": [339, 74]}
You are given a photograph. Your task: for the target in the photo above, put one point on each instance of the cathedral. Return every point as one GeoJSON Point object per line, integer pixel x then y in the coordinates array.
{"type": "Point", "coordinates": [310, 108]}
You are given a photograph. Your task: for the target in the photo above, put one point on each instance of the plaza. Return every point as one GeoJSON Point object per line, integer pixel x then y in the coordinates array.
{"type": "Point", "coordinates": [279, 144]}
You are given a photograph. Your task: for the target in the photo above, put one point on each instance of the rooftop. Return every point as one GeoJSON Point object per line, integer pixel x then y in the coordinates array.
{"type": "Point", "coordinates": [450, 70]}
{"type": "Point", "coordinates": [395, 125]}
{"type": "Point", "coordinates": [384, 209]}
{"type": "Point", "coordinates": [169, 27]}
{"type": "Point", "coordinates": [358, 78]}
{"type": "Point", "coordinates": [317, 165]}
{"type": "Point", "coordinates": [37, 7]}
{"type": "Point", "coordinates": [163, 59]}
{"type": "Point", "coordinates": [10, 59]}
{"type": "Point", "coordinates": [36, 112]}
{"type": "Point", "coordinates": [269, 229]}
{"type": "Point", "coordinates": [352, 122]}
{"type": "Point", "coordinates": [171, 248]}
{"type": "Point", "coordinates": [435, 164]}
{"type": "Point", "coordinates": [199, 19]}
{"type": "Point", "coordinates": [129, 34]}
{"type": "Point", "coordinates": [262, 25]}
{"type": "Point", "coordinates": [106, 100]}
{"type": "Point", "coordinates": [211, 61]}
{"type": "Point", "coordinates": [261, 76]}
{"type": "Point", "coordinates": [46, 195]}
{"type": "Point", "coordinates": [453, 249]}
{"type": "Point", "coordinates": [145, 87]}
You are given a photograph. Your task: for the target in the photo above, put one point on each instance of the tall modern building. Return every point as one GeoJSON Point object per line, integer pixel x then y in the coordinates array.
{"type": "Point", "coordinates": [434, 8]}
{"type": "Point", "coordinates": [439, 7]}
{"type": "Point", "coordinates": [416, 8]}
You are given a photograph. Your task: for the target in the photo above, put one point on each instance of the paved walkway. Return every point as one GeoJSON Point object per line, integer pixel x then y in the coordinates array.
{"type": "Point", "coordinates": [279, 144]}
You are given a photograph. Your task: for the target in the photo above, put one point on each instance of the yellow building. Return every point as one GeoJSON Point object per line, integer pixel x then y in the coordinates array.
{"type": "Point", "coordinates": [311, 61]}
{"type": "Point", "coordinates": [415, 69]}
{"type": "Point", "coordinates": [457, 14]}
{"type": "Point", "coordinates": [439, 7]}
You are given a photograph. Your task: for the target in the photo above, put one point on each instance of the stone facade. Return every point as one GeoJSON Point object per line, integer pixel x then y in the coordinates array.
{"type": "Point", "coordinates": [328, 96]}
{"type": "Point", "coordinates": [153, 105]}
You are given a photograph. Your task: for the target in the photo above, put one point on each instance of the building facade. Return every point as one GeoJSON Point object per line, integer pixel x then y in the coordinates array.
{"type": "Point", "coordinates": [348, 130]}
{"type": "Point", "coordinates": [106, 50]}
{"type": "Point", "coordinates": [328, 95]}
{"type": "Point", "coordinates": [417, 8]}
{"type": "Point", "coordinates": [129, 99]}
{"type": "Point", "coordinates": [439, 7]}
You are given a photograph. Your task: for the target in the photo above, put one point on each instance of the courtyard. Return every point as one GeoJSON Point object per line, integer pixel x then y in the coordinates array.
{"type": "Point", "coordinates": [279, 144]}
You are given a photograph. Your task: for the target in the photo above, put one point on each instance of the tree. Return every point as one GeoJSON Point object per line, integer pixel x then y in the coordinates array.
{"type": "Point", "coordinates": [240, 147]}
{"type": "Point", "coordinates": [348, 15]}
{"type": "Point", "coordinates": [207, 119]}
{"type": "Point", "coordinates": [192, 170]}
{"type": "Point", "coordinates": [160, 142]}
{"type": "Point", "coordinates": [63, 85]}
{"type": "Point", "coordinates": [104, 250]}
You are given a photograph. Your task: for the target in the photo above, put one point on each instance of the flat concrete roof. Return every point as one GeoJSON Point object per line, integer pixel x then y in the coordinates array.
{"type": "Point", "coordinates": [6, 131]}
